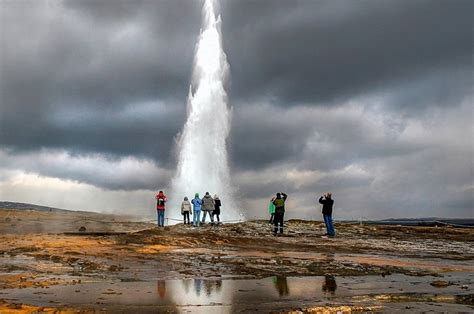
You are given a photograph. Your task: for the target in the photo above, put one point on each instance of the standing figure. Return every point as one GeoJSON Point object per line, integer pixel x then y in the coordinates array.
{"type": "Point", "coordinates": [328, 202]}
{"type": "Point", "coordinates": [271, 210]}
{"type": "Point", "coordinates": [160, 208]}
{"type": "Point", "coordinates": [217, 208]}
{"type": "Point", "coordinates": [208, 207]}
{"type": "Point", "coordinates": [186, 209]}
{"type": "Point", "coordinates": [196, 209]}
{"type": "Point", "coordinates": [279, 203]}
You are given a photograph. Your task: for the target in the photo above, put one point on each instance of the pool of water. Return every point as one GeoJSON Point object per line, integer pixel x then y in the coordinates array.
{"type": "Point", "coordinates": [219, 295]}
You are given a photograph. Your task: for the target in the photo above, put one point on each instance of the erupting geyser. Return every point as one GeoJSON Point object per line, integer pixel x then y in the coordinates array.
{"type": "Point", "coordinates": [202, 162]}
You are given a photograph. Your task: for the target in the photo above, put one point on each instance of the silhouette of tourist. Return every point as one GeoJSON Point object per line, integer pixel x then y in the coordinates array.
{"type": "Point", "coordinates": [217, 208]}
{"type": "Point", "coordinates": [279, 203]}
{"type": "Point", "coordinates": [329, 284]}
{"type": "Point", "coordinates": [186, 210]}
{"type": "Point", "coordinates": [186, 284]}
{"type": "Point", "coordinates": [281, 285]}
{"type": "Point", "coordinates": [197, 286]}
{"type": "Point", "coordinates": [218, 285]}
{"type": "Point", "coordinates": [197, 203]}
{"type": "Point", "coordinates": [271, 210]}
{"type": "Point", "coordinates": [161, 288]}
{"type": "Point", "coordinates": [207, 207]}
{"type": "Point", "coordinates": [208, 287]}
{"type": "Point", "coordinates": [160, 208]}
{"type": "Point", "coordinates": [212, 286]}
{"type": "Point", "coordinates": [328, 202]}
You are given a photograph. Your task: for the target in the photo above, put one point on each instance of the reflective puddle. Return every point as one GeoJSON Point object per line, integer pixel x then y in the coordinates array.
{"type": "Point", "coordinates": [234, 295]}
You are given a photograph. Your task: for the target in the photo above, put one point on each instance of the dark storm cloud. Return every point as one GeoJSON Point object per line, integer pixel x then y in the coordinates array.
{"type": "Point", "coordinates": [319, 52]}
{"type": "Point", "coordinates": [315, 138]}
{"type": "Point", "coordinates": [107, 55]}
{"type": "Point", "coordinates": [126, 174]}
{"type": "Point", "coordinates": [149, 137]}
{"type": "Point", "coordinates": [357, 97]}
{"type": "Point", "coordinates": [264, 135]}
{"type": "Point", "coordinates": [100, 57]}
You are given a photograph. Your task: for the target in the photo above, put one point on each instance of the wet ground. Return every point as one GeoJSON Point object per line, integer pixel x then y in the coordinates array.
{"type": "Point", "coordinates": [228, 268]}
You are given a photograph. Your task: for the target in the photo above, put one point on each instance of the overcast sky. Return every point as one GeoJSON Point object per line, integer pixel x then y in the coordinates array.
{"type": "Point", "coordinates": [371, 100]}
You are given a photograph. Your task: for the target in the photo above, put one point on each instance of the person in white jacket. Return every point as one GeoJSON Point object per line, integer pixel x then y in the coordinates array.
{"type": "Point", "coordinates": [186, 210]}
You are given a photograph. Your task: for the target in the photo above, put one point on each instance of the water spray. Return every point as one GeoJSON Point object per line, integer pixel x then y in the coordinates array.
{"type": "Point", "coordinates": [202, 153]}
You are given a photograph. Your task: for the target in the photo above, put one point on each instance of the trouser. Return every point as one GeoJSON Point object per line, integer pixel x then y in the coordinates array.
{"type": "Point", "coordinates": [272, 216]}
{"type": "Point", "coordinates": [278, 222]}
{"type": "Point", "coordinates": [210, 215]}
{"type": "Point", "coordinates": [186, 215]}
{"type": "Point", "coordinates": [161, 218]}
{"type": "Point", "coordinates": [329, 225]}
{"type": "Point", "coordinates": [217, 216]}
{"type": "Point", "coordinates": [196, 216]}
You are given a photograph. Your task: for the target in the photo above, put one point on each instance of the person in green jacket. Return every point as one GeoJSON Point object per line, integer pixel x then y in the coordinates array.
{"type": "Point", "coordinates": [271, 210]}
{"type": "Point", "coordinates": [279, 203]}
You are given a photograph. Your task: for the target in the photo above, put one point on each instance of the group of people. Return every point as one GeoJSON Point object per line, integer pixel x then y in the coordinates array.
{"type": "Point", "coordinates": [212, 206]}
{"type": "Point", "coordinates": [276, 208]}
{"type": "Point", "coordinates": [208, 205]}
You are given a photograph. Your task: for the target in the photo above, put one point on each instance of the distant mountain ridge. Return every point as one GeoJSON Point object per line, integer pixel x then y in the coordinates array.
{"type": "Point", "coordinates": [25, 206]}
{"type": "Point", "coordinates": [432, 221]}
{"type": "Point", "coordinates": [428, 221]}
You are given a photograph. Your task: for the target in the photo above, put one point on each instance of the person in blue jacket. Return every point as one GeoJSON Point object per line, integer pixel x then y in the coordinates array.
{"type": "Point", "coordinates": [197, 203]}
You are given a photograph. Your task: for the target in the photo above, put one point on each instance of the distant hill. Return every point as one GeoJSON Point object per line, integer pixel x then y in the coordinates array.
{"type": "Point", "coordinates": [432, 221]}
{"type": "Point", "coordinates": [26, 206]}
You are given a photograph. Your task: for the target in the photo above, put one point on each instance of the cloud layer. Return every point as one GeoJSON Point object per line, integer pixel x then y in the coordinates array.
{"type": "Point", "coordinates": [370, 99]}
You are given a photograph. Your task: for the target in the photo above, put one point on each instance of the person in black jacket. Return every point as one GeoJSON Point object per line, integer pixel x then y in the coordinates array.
{"type": "Point", "coordinates": [328, 202]}
{"type": "Point", "coordinates": [279, 203]}
{"type": "Point", "coordinates": [217, 208]}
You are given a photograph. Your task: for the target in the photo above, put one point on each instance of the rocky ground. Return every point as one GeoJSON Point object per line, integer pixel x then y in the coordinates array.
{"type": "Point", "coordinates": [47, 265]}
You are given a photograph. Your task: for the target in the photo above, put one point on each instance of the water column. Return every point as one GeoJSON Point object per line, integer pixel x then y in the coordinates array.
{"type": "Point", "coordinates": [202, 153]}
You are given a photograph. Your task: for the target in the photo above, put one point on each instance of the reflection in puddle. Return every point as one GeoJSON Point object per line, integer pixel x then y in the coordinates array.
{"type": "Point", "coordinates": [281, 285]}
{"type": "Point", "coordinates": [329, 284]}
{"type": "Point", "coordinates": [221, 296]}
{"type": "Point", "coordinates": [161, 288]}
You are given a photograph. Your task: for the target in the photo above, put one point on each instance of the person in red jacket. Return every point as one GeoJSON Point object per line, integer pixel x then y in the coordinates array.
{"type": "Point", "coordinates": [160, 208]}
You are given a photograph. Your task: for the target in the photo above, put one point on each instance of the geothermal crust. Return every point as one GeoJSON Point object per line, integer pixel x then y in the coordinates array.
{"type": "Point", "coordinates": [41, 250]}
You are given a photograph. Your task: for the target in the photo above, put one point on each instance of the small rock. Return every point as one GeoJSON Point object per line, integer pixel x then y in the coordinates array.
{"type": "Point", "coordinates": [465, 287]}
{"type": "Point", "coordinates": [114, 268]}
{"type": "Point", "coordinates": [82, 229]}
{"type": "Point", "coordinates": [440, 283]}
{"type": "Point", "coordinates": [15, 306]}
